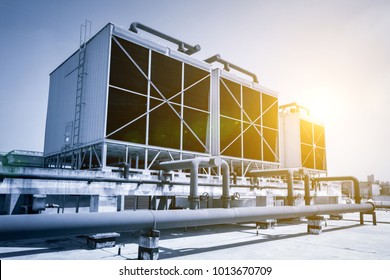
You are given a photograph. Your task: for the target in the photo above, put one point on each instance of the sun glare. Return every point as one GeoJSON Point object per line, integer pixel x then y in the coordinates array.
{"type": "Point", "coordinates": [321, 107]}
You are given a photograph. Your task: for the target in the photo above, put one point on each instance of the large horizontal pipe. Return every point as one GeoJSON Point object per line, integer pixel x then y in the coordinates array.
{"type": "Point", "coordinates": [382, 204]}
{"type": "Point", "coordinates": [38, 226]}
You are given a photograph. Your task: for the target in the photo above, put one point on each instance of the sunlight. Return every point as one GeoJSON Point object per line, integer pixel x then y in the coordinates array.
{"type": "Point", "coordinates": [322, 106]}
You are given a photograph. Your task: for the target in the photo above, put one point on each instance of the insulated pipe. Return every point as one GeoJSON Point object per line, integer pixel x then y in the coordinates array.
{"type": "Point", "coordinates": [15, 227]}
{"type": "Point", "coordinates": [192, 164]}
{"type": "Point", "coordinates": [288, 173]}
{"type": "Point", "coordinates": [354, 180]}
{"type": "Point", "coordinates": [225, 184]}
{"type": "Point", "coordinates": [227, 65]}
{"type": "Point", "coordinates": [382, 204]}
{"type": "Point", "coordinates": [182, 47]}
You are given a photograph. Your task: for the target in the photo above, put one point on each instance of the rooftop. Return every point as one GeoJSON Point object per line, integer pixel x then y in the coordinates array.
{"type": "Point", "coordinates": [342, 239]}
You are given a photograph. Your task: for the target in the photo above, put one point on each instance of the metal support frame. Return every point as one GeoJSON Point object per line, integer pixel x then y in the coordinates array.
{"type": "Point", "coordinates": [79, 158]}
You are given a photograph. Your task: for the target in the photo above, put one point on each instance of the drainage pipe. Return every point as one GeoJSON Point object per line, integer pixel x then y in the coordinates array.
{"type": "Point", "coordinates": [192, 164]}
{"type": "Point", "coordinates": [182, 47]}
{"type": "Point", "coordinates": [15, 227]}
{"type": "Point", "coordinates": [354, 180]}
{"type": "Point", "coordinates": [227, 65]}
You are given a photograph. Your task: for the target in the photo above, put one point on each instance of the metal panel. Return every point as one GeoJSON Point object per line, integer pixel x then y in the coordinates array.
{"type": "Point", "coordinates": [289, 141]}
{"type": "Point", "coordinates": [97, 57]}
{"type": "Point", "coordinates": [62, 97]}
{"type": "Point", "coordinates": [302, 139]}
{"type": "Point", "coordinates": [62, 91]}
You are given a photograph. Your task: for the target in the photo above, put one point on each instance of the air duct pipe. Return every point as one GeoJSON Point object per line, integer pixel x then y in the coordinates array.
{"type": "Point", "coordinates": [194, 164]}
{"type": "Point", "coordinates": [15, 227]}
{"type": "Point", "coordinates": [182, 47]}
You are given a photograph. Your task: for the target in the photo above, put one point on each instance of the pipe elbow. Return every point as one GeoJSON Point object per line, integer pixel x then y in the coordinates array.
{"type": "Point", "coordinates": [133, 27]}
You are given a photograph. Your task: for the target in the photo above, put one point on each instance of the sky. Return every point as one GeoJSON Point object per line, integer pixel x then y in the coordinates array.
{"type": "Point", "coordinates": [331, 56]}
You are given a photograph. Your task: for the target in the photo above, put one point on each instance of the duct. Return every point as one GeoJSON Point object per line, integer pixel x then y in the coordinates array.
{"type": "Point", "coordinates": [227, 65]}
{"type": "Point", "coordinates": [182, 47]}
{"type": "Point", "coordinates": [354, 180]}
{"type": "Point", "coordinates": [192, 164]}
{"type": "Point", "coordinates": [15, 227]}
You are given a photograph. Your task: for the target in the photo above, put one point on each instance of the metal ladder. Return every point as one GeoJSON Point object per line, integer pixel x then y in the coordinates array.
{"type": "Point", "coordinates": [85, 34]}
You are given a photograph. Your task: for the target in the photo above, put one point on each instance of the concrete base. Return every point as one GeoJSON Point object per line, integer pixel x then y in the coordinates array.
{"type": "Point", "coordinates": [148, 248]}
{"type": "Point", "coordinates": [267, 224]}
{"type": "Point", "coordinates": [315, 224]}
{"type": "Point", "coordinates": [102, 240]}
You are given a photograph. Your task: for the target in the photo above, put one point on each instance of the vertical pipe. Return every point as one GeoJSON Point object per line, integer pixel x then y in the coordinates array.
{"type": "Point", "coordinates": [307, 189]}
{"type": "Point", "coordinates": [225, 184]}
{"type": "Point", "coordinates": [104, 156]}
{"type": "Point", "coordinates": [194, 197]}
{"type": "Point", "coordinates": [137, 161]}
{"type": "Point", "coordinates": [290, 192]}
{"type": "Point", "coordinates": [90, 158]}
